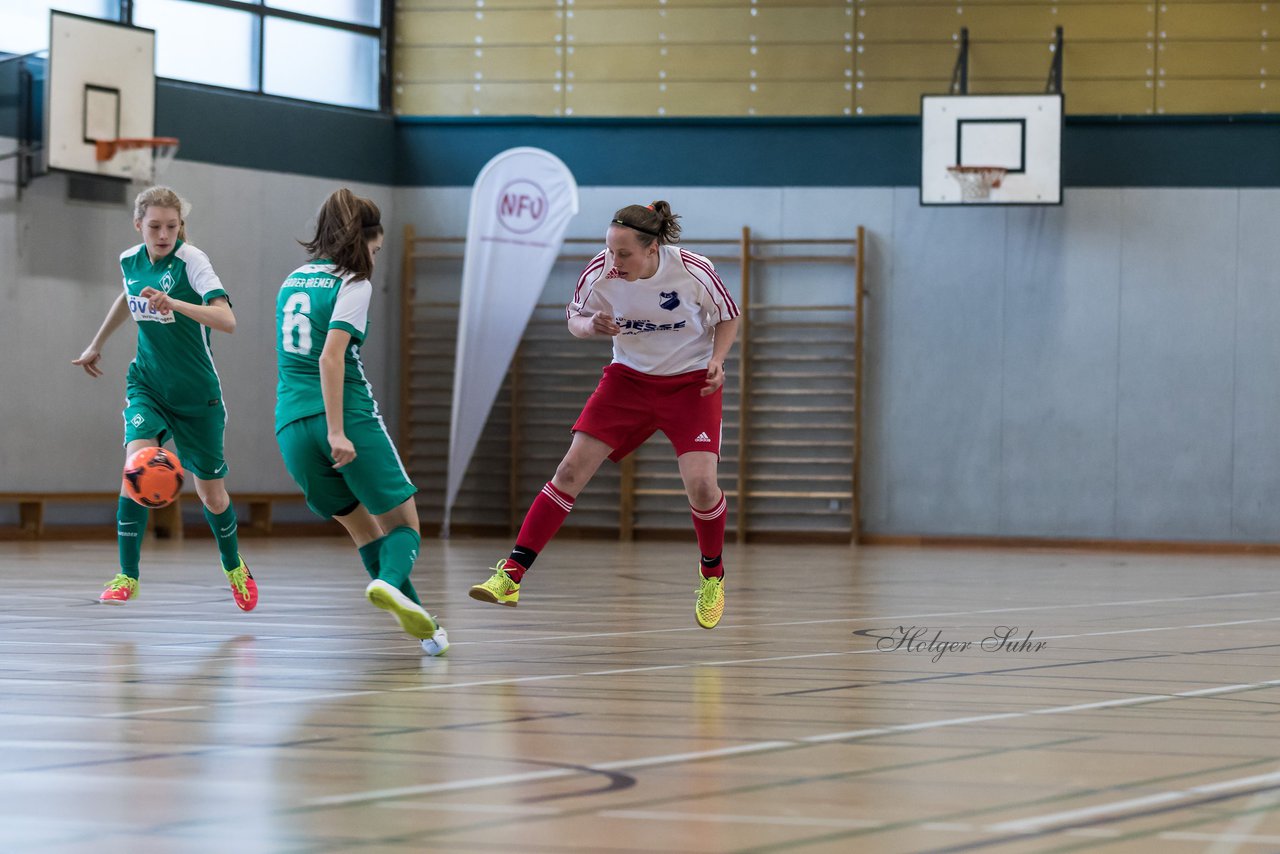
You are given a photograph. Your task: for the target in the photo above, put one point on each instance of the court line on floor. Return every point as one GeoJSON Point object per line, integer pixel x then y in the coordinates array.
{"type": "Point", "coordinates": [1257, 810]}
{"type": "Point", "coordinates": [1188, 836]}
{"type": "Point", "coordinates": [797, 821]}
{"type": "Point", "coordinates": [854, 823]}
{"type": "Point", "coordinates": [617, 671]}
{"type": "Point", "coordinates": [722, 818]}
{"type": "Point", "coordinates": [374, 795]}
{"type": "Point", "coordinates": [1160, 799]}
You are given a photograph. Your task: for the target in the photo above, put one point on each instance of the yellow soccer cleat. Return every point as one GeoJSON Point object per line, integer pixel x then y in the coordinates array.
{"type": "Point", "coordinates": [499, 589]}
{"type": "Point", "coordinates": [413, 618]}
{"type": "Point", "coordinates": [710, 605]}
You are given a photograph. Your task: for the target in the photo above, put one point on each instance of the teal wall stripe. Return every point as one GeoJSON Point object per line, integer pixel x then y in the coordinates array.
{"type": "Point", "coordinates": [680, 152]}
{"type": "Point", "coordinates": [279, 135]}
{"type": "Point", "coordinates": [276, 134]}
{"type": "Point", "coordinates": [1139, 151]}
{"type": "Point", "coordinates": [1179, 151]}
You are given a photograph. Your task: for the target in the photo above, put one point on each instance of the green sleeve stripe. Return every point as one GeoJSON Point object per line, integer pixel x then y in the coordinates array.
{"type": "Point", "coordinates": [347, 327]}
{"type": "Point", "coordinates": [213, 295]}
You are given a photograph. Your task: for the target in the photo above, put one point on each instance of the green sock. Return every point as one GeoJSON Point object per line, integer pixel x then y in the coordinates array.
{"type": "Point", "coordinates": [224, 527]}
{"type": "Point", "coordinates": [131, 525]}
{"type": "Point", "coordinates": [369, 555]}
{"type": "Point", "coordinates": [396, 556]}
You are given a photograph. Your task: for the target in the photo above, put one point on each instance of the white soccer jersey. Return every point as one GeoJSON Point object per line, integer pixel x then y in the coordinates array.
{"type": "Point", "coordinates": [668, 320]}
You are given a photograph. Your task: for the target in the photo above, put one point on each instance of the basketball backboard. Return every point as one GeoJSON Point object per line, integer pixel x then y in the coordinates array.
{"type": "Point", "coordinates": [1021, 134]}
{"type": "Point", "coordinates": [101, 86]}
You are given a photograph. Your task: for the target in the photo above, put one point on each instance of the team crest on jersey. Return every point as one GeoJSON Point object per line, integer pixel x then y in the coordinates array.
{"type": "Point", "coordinates": [166, 282]}
{"type": "Point", "coordinates": [668, 300]}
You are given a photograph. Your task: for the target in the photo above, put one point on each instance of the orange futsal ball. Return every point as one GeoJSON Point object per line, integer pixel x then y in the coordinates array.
{"type": "Point", "coordinates": [153, 477]}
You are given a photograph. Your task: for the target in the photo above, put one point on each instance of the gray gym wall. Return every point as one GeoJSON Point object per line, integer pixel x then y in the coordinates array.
{"type": "Point", "coordinates": [1101, 370]}
{"type": "Point", "coordinates": [1105, 369]}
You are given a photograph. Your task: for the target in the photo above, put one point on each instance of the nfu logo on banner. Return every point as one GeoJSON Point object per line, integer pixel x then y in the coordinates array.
{"type": "Point", "coordinates": [522, 206]}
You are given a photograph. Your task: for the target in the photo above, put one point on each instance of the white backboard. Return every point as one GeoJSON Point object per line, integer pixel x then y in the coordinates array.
{"type": "Point", "coordinates": [101, 85]}
{"type": "Point", "coordinates": [1021, 133]}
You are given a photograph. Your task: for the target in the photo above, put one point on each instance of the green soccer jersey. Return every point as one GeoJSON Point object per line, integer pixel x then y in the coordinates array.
{"type": "Point", "coordinates": [314, 299]}
{"type": "Point", "coordinates": [174, 360]}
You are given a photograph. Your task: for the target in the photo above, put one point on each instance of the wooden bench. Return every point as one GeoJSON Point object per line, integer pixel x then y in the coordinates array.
{"type": "Point", "coordinates": [165, 522]}
{"type": "Point", "coordinates": [255, 510]}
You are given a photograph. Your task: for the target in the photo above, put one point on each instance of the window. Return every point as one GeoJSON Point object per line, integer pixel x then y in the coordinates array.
{"type": "Point", "coordinates": [319, 63]}
{"type": "Point", "coordinates": [201, 42]}
{"type": "Point", "coordinates": [26, 22]}
{"type": "Point", "coordinates": [364, 12]}
{"type": "Point", "coordinates": [315, 50]}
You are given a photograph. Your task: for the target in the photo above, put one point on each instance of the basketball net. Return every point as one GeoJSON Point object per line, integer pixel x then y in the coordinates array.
{"type": "Point", "coordinates": [977, 182]}
{"type": "Point", "coordinates": [143, 159]}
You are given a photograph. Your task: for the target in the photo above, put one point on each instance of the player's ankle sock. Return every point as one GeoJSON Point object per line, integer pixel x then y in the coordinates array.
{"type": "Point", "coordinates": [131, 525]}
{"type": "Point", "coordinates": [709, 526]}
{"type": "Point", "coordinates": [521, 560]}
{"type": "Point", "coordinates": [224, 527]}
{"type": "Point", "coordinates": [712, 567]}
{"type": "Point", "coordinates": [369, 556]}
{"type": "Point", "coordinates": [396, 556]}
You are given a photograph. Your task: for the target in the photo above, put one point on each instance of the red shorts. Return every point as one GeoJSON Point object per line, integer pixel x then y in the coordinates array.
{"type": "Point", "coordinates": [628, 407]}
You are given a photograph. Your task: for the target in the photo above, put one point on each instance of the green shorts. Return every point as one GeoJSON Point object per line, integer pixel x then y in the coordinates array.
{"type": "Point", "coordinates": [375, 478]}
{"type": "Point", "coordinates": [197, 436]}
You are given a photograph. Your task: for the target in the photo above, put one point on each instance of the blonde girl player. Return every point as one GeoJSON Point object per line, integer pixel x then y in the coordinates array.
{"type": "Point", "coordinates": [333, 440]}
{"type": "Point", "coordinates": [172, 388]}
{"type": "Point", "coordinates": [672, 322]}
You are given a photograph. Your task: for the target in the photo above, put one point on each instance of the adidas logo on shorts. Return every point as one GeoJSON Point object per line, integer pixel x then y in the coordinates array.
{"type": "Point", "coordinates": [702, 437]}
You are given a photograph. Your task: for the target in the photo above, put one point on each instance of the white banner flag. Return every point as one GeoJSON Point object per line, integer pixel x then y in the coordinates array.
{"type": "Point", "coordinates": [520, 206]}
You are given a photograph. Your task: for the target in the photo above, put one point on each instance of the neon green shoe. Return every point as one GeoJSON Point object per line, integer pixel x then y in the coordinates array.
{"type": "Point", "coordinates": [413, 618]}
{"type": "Point", "coordinates": [710, 605]}
{"type": "Point", "coordinates": [499, 589]}
{"type": "Point", "coordinates": [119, 590]}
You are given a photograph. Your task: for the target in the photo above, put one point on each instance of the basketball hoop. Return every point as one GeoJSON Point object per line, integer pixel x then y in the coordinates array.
{"type": "Point", "coordinates": [977, 182]}
{"type": "Point", "coordinates": [139, 167]}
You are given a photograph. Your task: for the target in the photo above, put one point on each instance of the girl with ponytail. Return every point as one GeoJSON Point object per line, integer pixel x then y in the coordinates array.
{"type": "Point", "coordinates": [172, 389]}
{"type": "Point", "coordinates": [334, 442]}
{"type": "Point", "coordinates": [672, 322]}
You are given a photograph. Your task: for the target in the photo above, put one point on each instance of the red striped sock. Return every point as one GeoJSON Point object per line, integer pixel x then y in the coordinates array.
{"type": "Point", "coordinates": [545, 516]}
{"type": "Point", "coordinates": [709, 525]}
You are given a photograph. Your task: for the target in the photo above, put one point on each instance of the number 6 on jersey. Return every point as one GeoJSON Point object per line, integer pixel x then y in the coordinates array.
{"type": "Point", "coordinates": [297, 311]}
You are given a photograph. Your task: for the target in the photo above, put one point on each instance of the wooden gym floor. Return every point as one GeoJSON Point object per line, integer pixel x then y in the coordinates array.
{"type": "Point", "coordinates": [597, 717]}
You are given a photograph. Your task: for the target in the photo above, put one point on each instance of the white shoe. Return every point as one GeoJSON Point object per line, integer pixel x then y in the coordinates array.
{"type": "Point", "coordinates": [413, 618]}
{"type": "Point", "coordinates": [438, 643]}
